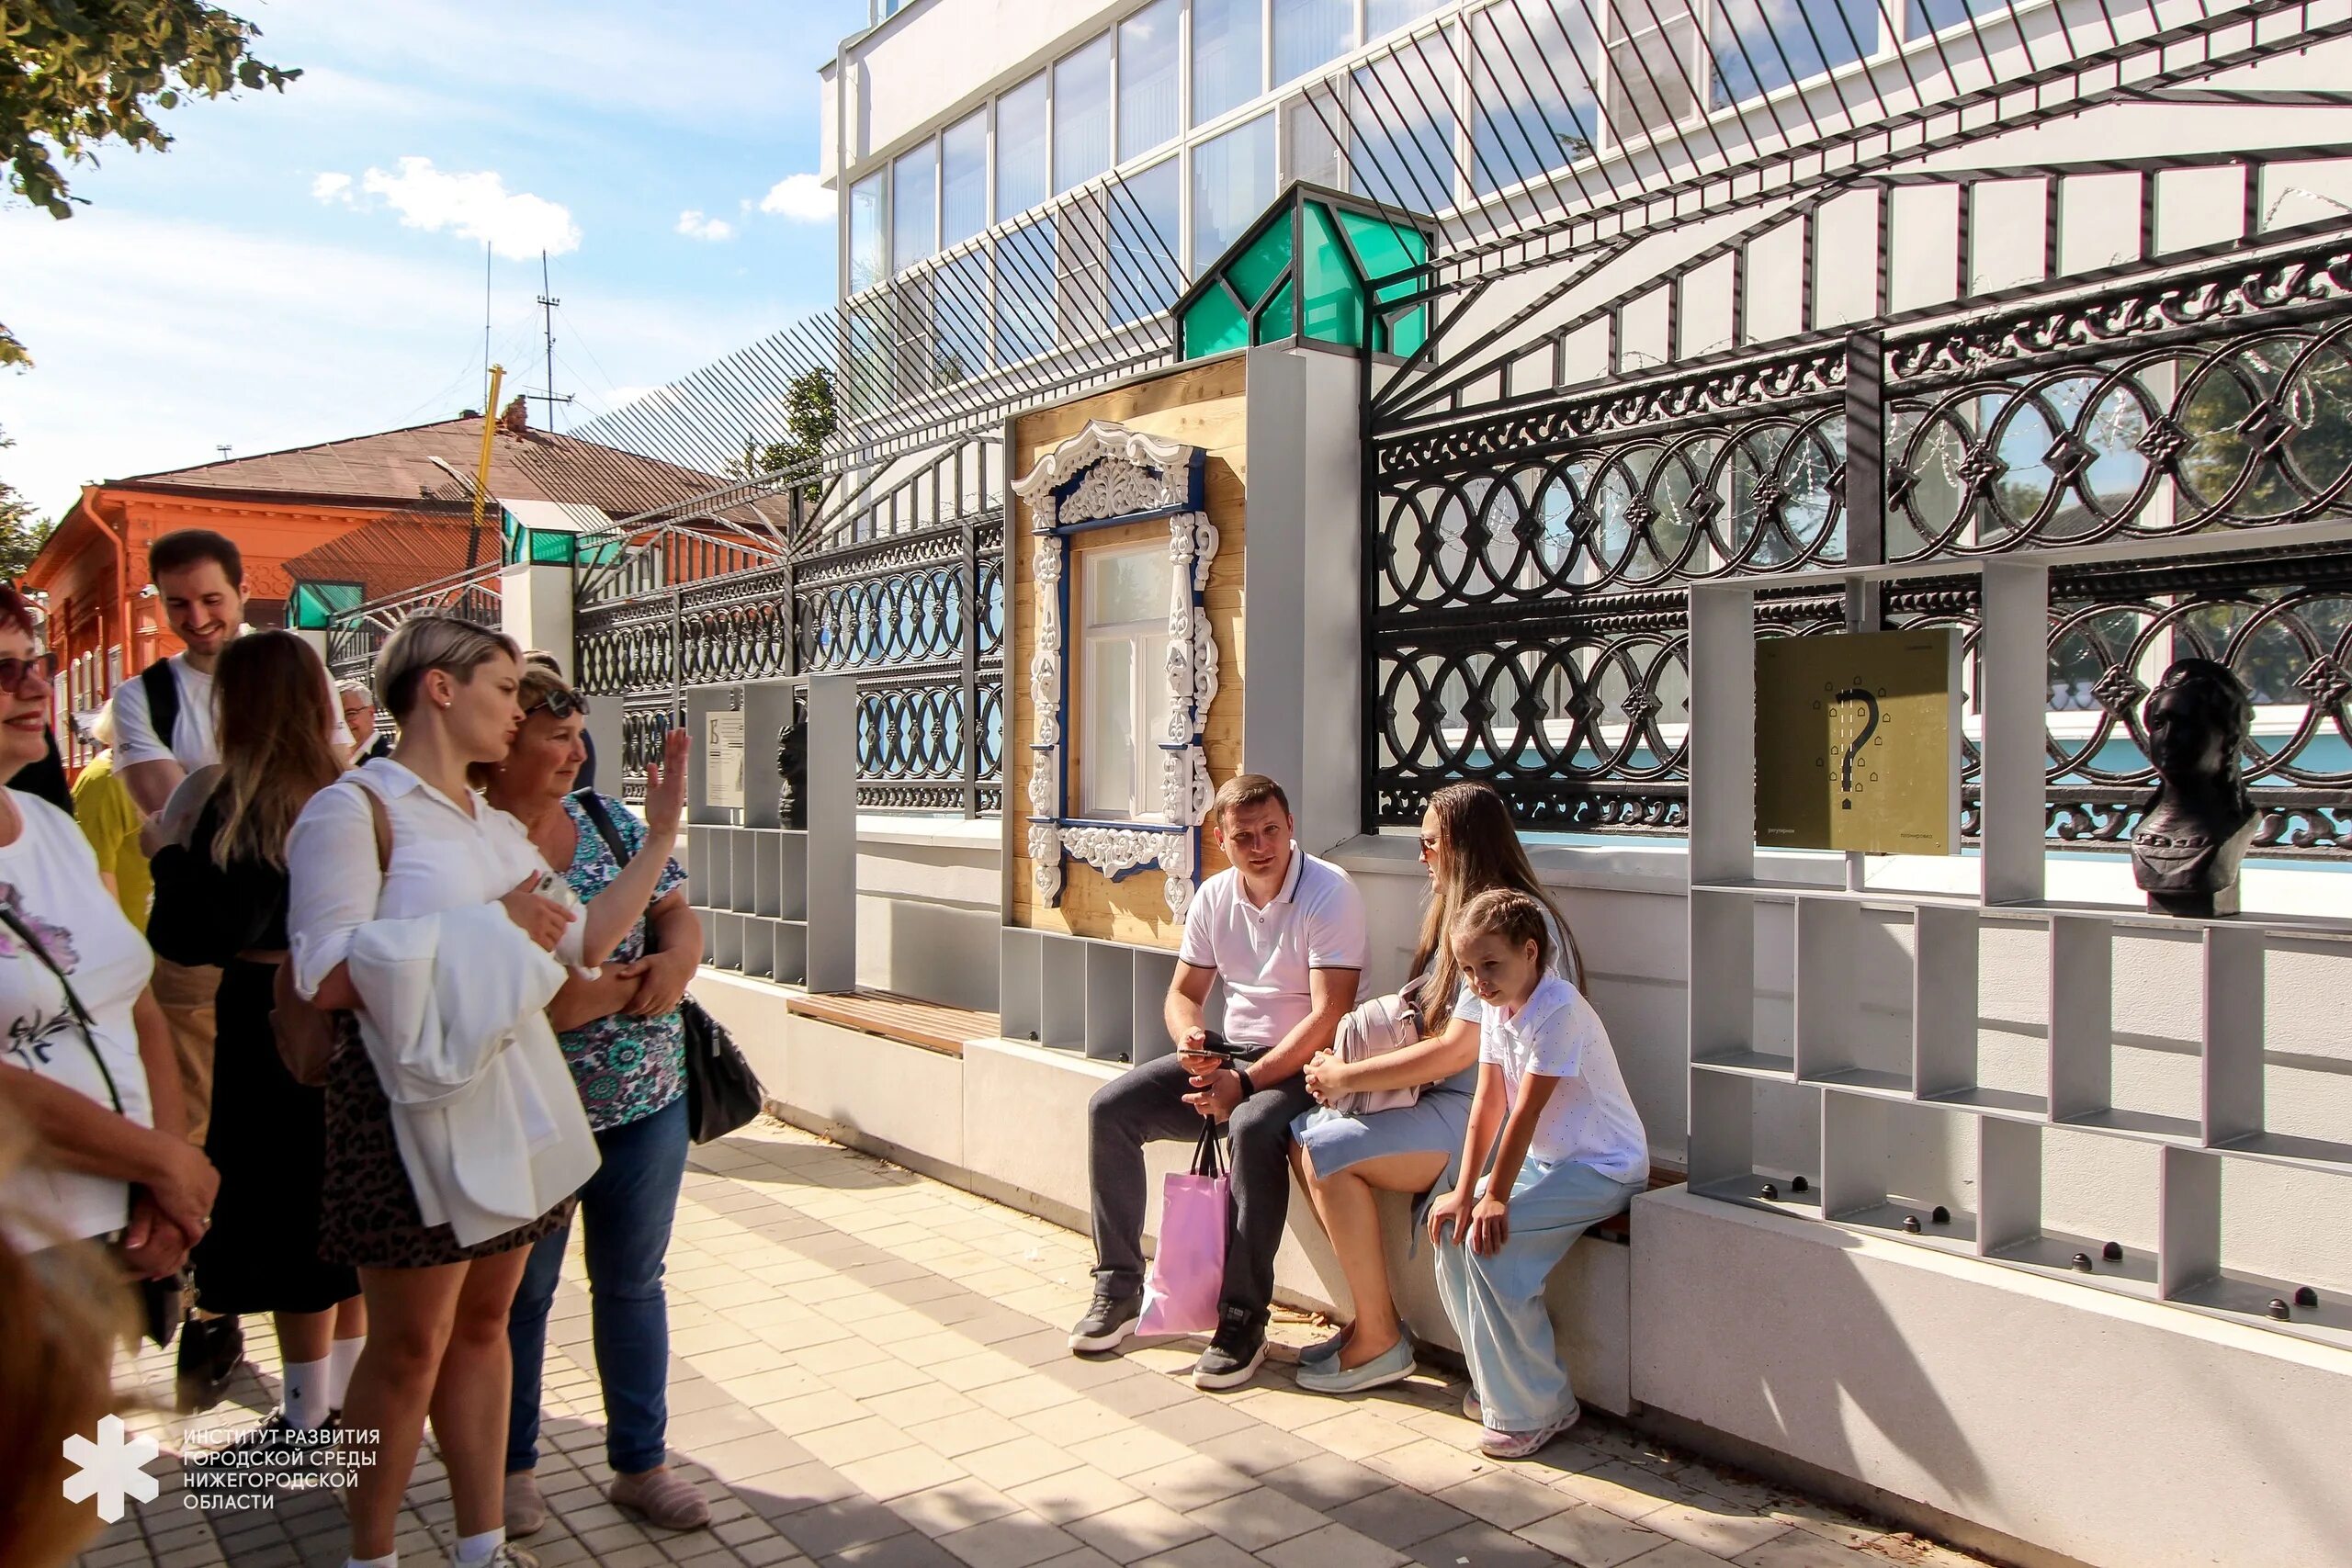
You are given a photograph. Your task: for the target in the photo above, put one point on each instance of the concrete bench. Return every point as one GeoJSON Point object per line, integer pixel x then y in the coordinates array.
{"type": "Point", "coordinates": [1590, 1294]}
{"type": "Point", "coordinates": [935, 1088]}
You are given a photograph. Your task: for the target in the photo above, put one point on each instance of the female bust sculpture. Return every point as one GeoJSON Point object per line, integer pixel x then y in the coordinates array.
{"type": "Point", "coordinates": [2193, 834]}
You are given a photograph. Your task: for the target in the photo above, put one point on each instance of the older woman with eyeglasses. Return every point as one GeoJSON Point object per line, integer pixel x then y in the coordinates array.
{"type": "Point", "coordinates": [625, 1042]}
{"type": "Point", "coordinates": [84, 1055]}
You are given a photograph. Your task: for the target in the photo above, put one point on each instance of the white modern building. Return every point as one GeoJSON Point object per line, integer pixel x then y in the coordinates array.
{"type": "Point", "coordinates": [1702, 321]}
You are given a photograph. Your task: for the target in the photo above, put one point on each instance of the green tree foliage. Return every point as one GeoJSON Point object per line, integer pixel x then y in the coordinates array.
{"type": "Point", "coordinates": [21, 534]}
{"type": "Point", "coordinates": [810, 416]}
{"type": "Point", "coordinates": [75, 73]}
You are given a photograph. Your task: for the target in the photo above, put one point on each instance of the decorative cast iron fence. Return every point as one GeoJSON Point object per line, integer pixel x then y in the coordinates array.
{"type": "Point", "coordinates": [907, 593]}
{"type": "Point", "coordinates": [1525, 571]}
{"type": "Point", "coordinates": [355, 636]}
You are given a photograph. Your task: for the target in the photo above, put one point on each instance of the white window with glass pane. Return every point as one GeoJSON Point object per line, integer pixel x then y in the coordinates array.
{"type": "Point", "coordinates": [1082, 114]}
{"type": "Point", "coordinates": [1123, 682]}
{"type": "Point", "coordinates": [1148, 109]}
{"type": "Point", "coordinates": [1228, 55]}
{"type": "Point", "coordinates": [964, 178]}
{"type": "Point", "coordinates": [914, 207]}
{"type": "Point", "coordinates": [1308, 33]}
{"type": "Point", "coordinates": [1024, 158]}
{"type": "Point", "coordinates": [869, 242]}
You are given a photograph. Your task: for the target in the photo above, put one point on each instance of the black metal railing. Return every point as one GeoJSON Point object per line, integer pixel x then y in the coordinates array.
{"type": "Point", "coordinates": [907, 593]}
{"type": "Point", "coordinates": [354, 637]}
{"type": "Point", "coordinates": [1526, 580]}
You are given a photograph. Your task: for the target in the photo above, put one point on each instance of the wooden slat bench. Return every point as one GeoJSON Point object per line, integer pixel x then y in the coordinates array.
{"type": "Point", "coordinates": [907, 1019]}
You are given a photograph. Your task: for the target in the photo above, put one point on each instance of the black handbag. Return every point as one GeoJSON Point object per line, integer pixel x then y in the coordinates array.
{"type": "Point", "coordinates": [722, 1092]}
{"type": "Point", "coordinates": [162, 1302]}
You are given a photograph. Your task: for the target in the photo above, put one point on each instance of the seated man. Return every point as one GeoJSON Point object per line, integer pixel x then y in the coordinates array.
{"type": "Point", "coordinates": [1285, 932]}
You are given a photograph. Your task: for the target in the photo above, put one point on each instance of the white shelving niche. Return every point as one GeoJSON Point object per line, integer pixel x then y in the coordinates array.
{"type": "Point", "coordinates": [2124, 1099]}
{"type": "Point", "coordinates": [1096, 998]}
{"type": "Point", "coordinates": [777, 903]}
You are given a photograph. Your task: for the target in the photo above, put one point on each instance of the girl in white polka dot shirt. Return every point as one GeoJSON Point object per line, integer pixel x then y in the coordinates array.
{"type": "Point", "coordinates": [1569, 1151]}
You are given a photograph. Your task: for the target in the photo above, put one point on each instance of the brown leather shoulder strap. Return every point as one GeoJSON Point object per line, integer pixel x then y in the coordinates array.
{"type": "Point", "coordinates": [382, 822]}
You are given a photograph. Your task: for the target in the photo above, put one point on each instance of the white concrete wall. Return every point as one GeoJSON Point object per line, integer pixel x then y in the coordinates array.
{"type": "Point", "coordinates": [534, 607]}
{"type": "Point", "coordinates": [1304, 540]}
{"type": "Point", "coordinates": [2122, 1433]}
{"type": "Point", "coordinates": [931, 61]}
{"type": "Point", "coordinates": [927, 916]}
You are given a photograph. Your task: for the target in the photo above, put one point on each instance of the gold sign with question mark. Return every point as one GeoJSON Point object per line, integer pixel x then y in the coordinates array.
{"type": "Point", "coordinates": [1857, 742]}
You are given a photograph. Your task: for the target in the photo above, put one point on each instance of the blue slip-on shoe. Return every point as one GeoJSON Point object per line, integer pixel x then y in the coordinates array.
{"type": "Point", "coordinates": [1322, 1350]}
{"type": "Point", "coordinates": [1393, 1365]}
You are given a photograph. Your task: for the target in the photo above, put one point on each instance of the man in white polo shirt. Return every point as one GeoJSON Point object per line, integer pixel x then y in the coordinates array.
{"type": "Point", "coordinates": [1286, 933]}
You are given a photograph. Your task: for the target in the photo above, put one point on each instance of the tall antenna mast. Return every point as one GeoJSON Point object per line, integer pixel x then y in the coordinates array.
{"type": "Point", "coordinates": [485, 314]}
{"type": "Point", "coordinates": [548, 302]}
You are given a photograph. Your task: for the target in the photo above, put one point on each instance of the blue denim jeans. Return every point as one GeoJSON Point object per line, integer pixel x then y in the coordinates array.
{"type": "Point", "coordinates": [1496, 1301]}
{"type": "Point", "coordinates": [627, 1207]}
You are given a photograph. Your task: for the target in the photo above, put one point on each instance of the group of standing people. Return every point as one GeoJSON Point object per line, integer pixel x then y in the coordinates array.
{"type": "Point", "coordinates": [488, 963]}
{"type": "Point", "coordinates": [1520, 1133]}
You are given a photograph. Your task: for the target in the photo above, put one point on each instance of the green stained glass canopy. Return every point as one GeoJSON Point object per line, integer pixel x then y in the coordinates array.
{"type": "Point", "coordinates": [1313, 268]}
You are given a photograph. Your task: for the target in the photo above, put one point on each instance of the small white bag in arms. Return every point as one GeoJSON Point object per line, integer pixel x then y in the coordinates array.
{"type": "Point", "coordinates": [1375, 1029]}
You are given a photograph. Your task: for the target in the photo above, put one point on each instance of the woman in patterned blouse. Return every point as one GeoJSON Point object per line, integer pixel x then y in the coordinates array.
{"type": "Point", "coordinates": [626, 1045]}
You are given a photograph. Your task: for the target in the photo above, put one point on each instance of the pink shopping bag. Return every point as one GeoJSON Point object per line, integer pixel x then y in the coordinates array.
{"type": "Point", "coordinates": [1188, 1273]}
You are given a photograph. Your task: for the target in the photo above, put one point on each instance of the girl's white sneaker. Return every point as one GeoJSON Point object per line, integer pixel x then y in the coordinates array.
{"type": "Point", "coordinates": [1523, 1445]}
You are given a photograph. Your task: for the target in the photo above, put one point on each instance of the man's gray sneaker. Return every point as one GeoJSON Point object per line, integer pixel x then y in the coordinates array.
{"type": "Point", "coordinates": [1107, 1324]}
{"type": "Point", "coordinates": [1234, 1356]}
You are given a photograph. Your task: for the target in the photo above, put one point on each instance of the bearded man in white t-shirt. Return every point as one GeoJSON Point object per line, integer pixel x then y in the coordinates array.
{"type": "Point", "coordinates": [1284, 933]}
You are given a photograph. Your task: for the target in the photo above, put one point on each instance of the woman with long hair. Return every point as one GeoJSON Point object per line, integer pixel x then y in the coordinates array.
{"type": "Point", "coordinates": [624, 1041]}
{"type": "Point", "coordinates": [423, 915]}
{"type": "Point", "coordinates": [1470, 847]}
{"type": "Point", "coordinates": [220, 900]}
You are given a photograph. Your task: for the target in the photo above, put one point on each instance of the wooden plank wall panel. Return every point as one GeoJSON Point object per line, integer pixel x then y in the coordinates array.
{"type": "Point", "coordinates": [1201, 405]}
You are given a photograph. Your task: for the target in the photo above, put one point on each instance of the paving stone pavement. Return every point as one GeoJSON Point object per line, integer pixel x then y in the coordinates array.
{"type": "Point", "coordinates": [870, 1370]}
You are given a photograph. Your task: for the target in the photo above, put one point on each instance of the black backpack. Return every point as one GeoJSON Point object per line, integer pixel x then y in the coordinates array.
{"type": "Point", "coordinates": [162, 700]}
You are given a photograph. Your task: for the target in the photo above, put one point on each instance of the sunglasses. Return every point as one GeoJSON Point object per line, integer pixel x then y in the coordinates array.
{"type": "Point", "coordinates": [16, 674]}
{"type": "Point", "coordinates": [559, 703]}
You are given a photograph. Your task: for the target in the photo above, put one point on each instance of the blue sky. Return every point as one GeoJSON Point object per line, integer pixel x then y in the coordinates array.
{"type": "Point", "coordinates": [310, 266]}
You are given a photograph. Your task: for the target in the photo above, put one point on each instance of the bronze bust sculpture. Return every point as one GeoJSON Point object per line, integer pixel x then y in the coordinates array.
{"type": "Point", "coordinates": [792, 768]}
{"type": "Point", "coordinates": [2193, 833]}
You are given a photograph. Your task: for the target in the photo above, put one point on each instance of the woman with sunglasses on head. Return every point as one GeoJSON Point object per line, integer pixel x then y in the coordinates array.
{"type": "Point", "coordinates": [454, 1139]}
{"type": "Point", "coordinates": [1469, 845]}
{"type": "Point", "coordinates": [220, 900]}
{"type": "Point", "coordinates": [625, 1042]}
{"type": "Point", "coordinates": [87, 1059]}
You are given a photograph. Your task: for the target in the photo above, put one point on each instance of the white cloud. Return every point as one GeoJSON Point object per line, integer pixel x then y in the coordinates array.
{"type": "Point", "coordinates": [801, 198]}
{"type": "Point", "coordinates": [694, 226]}
{"type": "Point", "coordinates": [478, 206]}
{"type": "Point", "coordinates": [286, 360]}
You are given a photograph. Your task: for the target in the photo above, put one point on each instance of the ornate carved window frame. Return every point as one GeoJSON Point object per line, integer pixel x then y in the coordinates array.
{"type": "Point", "coordinates": [1107, 476]}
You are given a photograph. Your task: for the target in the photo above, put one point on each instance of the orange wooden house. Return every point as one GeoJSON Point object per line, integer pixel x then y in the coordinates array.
{"type": "Point", "coordinates": [386, 511]}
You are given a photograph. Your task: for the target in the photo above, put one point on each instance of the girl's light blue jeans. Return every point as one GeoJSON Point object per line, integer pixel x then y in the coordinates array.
{"type": "Point", "coordinates": [1496, 1301]}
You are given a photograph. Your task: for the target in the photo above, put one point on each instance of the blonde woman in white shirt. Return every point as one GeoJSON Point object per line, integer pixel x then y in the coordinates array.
{"type": "Point", "coordinates": [1568, 1152]}
{"type": "Point", "coordinates": [437, 1308]}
